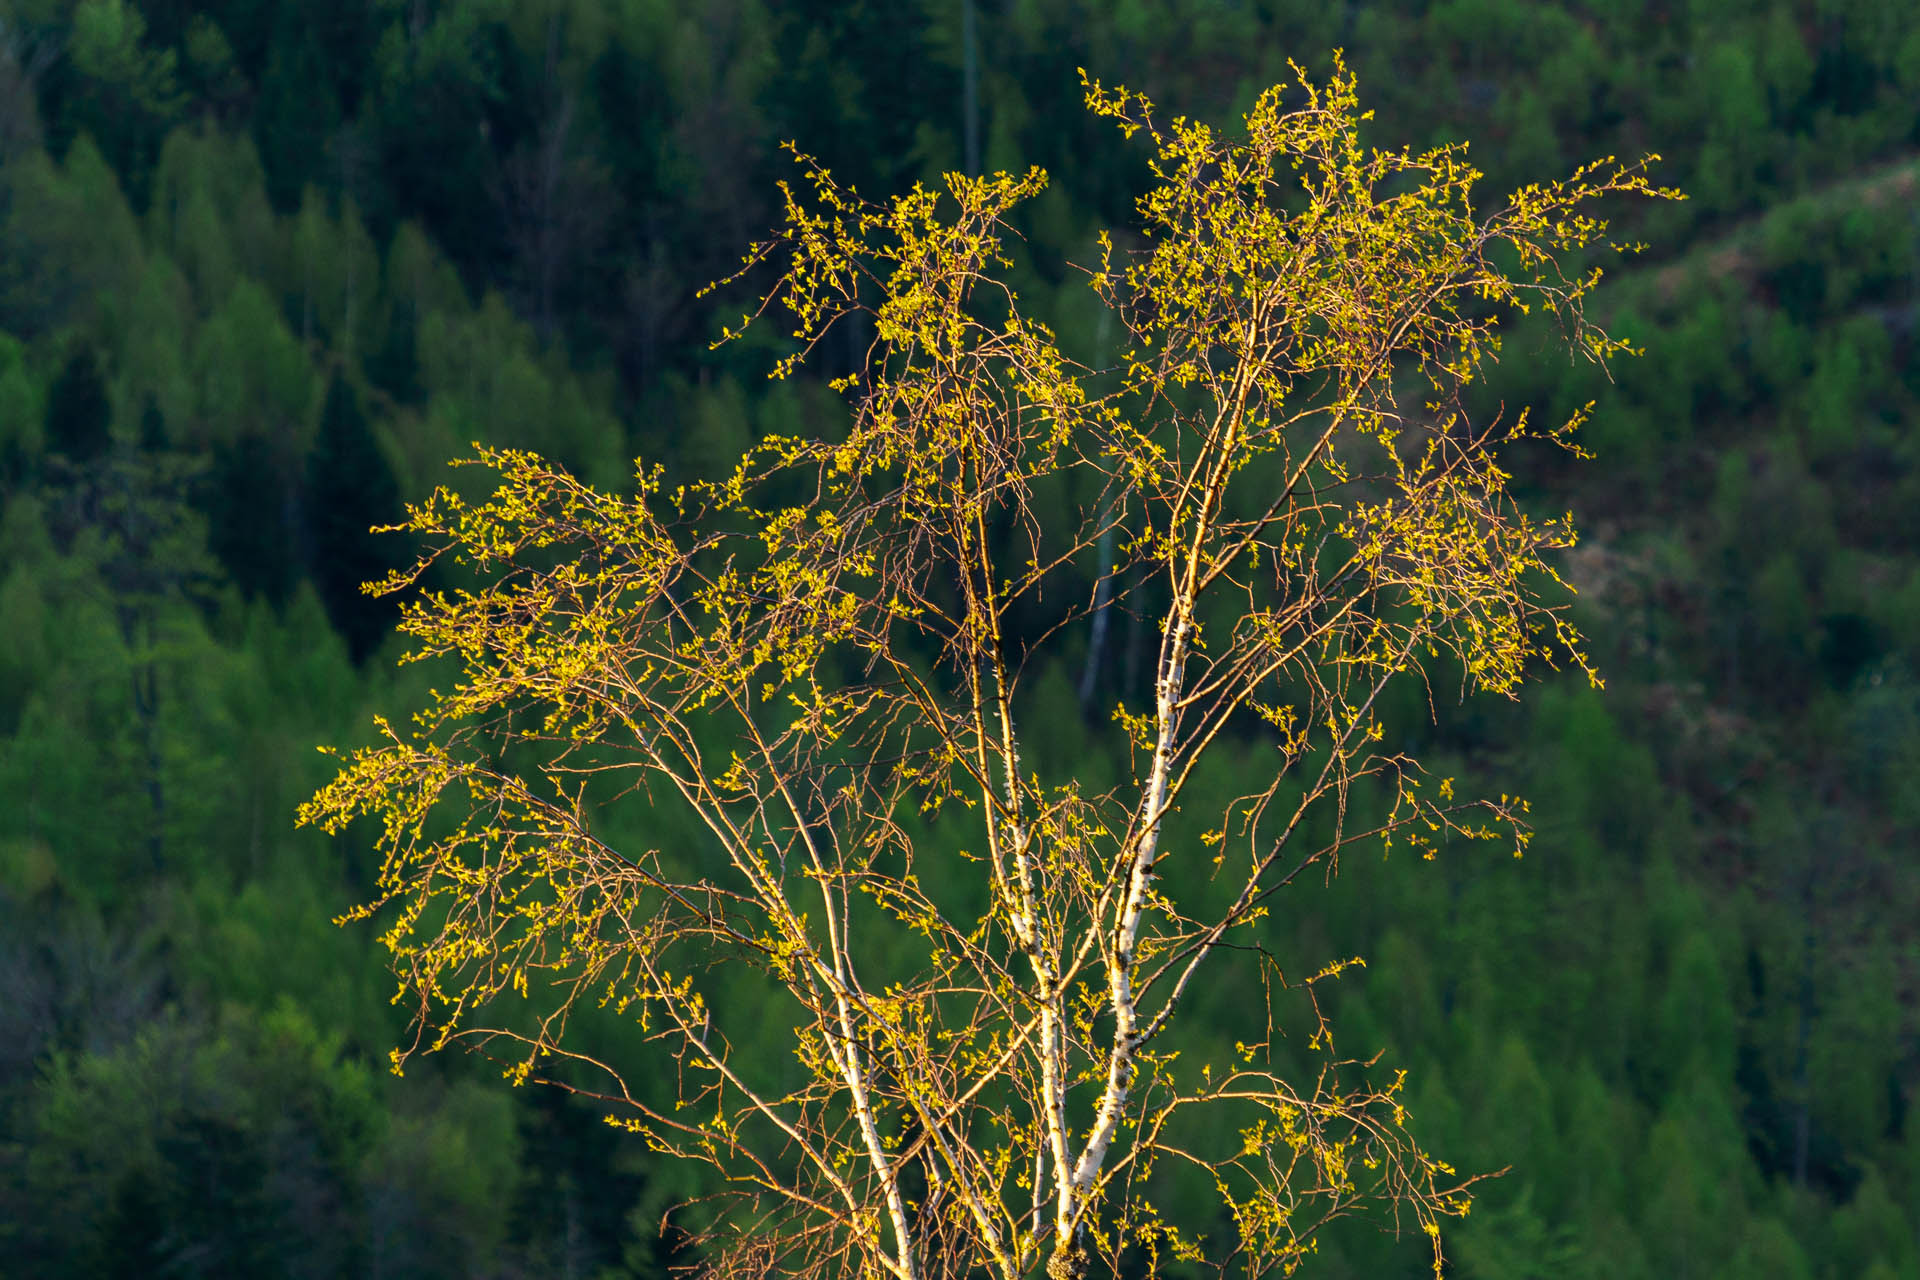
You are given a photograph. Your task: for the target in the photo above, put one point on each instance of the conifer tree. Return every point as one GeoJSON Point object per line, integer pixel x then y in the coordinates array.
{"type": "Point", "coordinates": [79, 416]}
{"type": "Point", "coordinates": [248, 499]}
{"type": "Point", "coordinates": [350, 488]}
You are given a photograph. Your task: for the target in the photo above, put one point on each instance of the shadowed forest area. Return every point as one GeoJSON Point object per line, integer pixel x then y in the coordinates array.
{"type": "Point", "coordinates": [265, 267]}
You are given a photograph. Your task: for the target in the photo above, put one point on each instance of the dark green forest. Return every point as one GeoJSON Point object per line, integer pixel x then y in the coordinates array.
{"type": "Point", "coordinates": [265, 267]}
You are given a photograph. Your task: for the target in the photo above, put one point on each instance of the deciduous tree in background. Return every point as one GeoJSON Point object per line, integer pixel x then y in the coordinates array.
{"type": "Point", "coordinates": [826, 658]}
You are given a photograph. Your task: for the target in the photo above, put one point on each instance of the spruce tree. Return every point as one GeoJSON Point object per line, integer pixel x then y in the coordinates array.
{"type": "Point", "coordinates": [153, 428]}
{"type": "Point", "coordinates": [247, 504]}
{"type": "Point", "coordinates": [350, 488]}
{"type": "Point", "coordinates": [79, 416]}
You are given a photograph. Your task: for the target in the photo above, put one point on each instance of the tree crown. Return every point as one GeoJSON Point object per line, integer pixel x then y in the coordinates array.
{"type": "Point", "coordinates": [824, 657]}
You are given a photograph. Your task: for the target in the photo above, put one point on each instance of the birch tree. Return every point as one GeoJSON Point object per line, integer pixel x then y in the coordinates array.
{"type": "Point", "coordinates": [824, 656]}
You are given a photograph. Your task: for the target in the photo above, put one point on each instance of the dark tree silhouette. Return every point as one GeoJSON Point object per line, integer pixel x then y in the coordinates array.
{"type": "Point", "coordinates": [350, 488]}
{"type": "Point", "coordinates": [79, 416]}
{"type": "Point", "coordinates": [248, 502]}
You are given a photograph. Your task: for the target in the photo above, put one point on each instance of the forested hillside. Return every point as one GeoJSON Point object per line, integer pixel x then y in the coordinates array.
{"type": "Point", "coordinates": [265, 267]}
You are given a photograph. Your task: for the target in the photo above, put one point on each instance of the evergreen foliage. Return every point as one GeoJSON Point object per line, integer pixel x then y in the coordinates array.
{"type": "Point", "coordinates": [350, 489]}
{"type": "Point", "coordinates": [79, 418]}
{"type": "Point", "coordinates": [1738, 809]}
